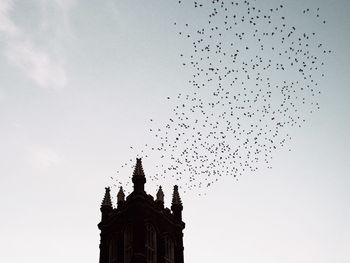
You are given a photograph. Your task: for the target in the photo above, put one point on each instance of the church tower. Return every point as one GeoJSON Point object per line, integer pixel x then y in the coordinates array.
{"type": "Point", "coordinates": [140, 229]}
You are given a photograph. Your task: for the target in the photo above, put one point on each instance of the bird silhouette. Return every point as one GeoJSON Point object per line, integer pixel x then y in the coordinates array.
{"type": "Point", "coordinates": [254, 77]}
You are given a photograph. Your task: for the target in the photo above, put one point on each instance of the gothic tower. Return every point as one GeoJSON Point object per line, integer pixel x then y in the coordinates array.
{"type": "Point", "coordinates": [141, 229]}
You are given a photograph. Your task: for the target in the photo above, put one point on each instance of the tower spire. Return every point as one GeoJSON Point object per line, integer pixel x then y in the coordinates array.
{"type": "Point", "coordinates": [138, 177]}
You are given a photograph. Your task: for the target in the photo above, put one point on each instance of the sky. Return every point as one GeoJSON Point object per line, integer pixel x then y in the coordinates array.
{"type": "Point", "coordinates": [80, 82]}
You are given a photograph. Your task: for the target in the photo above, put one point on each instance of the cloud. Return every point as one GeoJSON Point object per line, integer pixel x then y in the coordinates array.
{"type": "Point", "coordinates": [37, 64]}
{"type": "Point", "coordinates": [6, 25]}
{"type": "Point", "coordinates": [43, 64]}
{"type": "Point", "coordinates": [43, 158]}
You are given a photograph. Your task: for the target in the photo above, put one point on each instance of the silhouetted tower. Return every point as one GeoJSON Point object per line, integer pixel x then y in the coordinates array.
{"type": "Point", "coordinates": [140, 229]}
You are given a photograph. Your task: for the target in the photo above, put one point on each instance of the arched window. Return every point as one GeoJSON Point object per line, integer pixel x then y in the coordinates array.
{"type": "Point", "coordinates": [169, 255]}
{"type": "Point", "coordinates": [151, 244]}
{"type": "Point", "coordinates": [128, 240]}
{"type": "Point", "coordinates": [113, 251]}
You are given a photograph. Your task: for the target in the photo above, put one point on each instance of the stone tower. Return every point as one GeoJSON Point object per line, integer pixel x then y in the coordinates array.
{"type": "Point", "coordinates": [141, 229]}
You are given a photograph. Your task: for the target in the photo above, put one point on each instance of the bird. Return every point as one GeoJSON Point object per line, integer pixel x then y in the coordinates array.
{"type": "Point", "coordinates": [254, 77]}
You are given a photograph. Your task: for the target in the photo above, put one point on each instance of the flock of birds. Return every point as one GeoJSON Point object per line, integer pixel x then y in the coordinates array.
{"type": "Point", "coordinates": [254, 78]}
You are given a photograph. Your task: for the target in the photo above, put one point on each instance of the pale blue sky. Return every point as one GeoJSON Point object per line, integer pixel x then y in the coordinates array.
{"type": "Point", "coordinates": [79, 81]}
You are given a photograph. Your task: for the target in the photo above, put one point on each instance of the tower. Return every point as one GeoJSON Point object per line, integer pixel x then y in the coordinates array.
{"type": "Point", "coordinates": [141, 229]}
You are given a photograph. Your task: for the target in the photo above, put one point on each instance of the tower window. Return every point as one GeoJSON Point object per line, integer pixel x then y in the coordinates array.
{"type": "Point", "coordinates": [151, 244]}
{"type": "Point", "coordinates": [128, 240]}
{"type": "Point", "coordinates": [169, 255]}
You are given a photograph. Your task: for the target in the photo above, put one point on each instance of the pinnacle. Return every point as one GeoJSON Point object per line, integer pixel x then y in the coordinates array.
{"type": "Point", "coordinates": [107, 198]}
{"type": "Point", "coordinates": [138, 168]}
{"type": "Point", "coordinates": [176, 197]}
{"type": "Point", "coordinates": [160, 195]}
{"type": "Point", "coordinates": [120, 195]}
